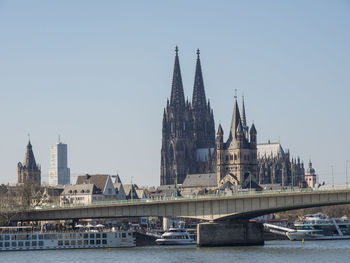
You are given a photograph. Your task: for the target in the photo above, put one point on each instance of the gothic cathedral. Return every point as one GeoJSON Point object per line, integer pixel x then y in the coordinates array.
{"type": "Point", "coordinates": [188, 133]}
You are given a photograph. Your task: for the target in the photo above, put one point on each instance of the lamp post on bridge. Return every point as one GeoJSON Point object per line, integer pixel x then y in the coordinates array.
{"type": "Point", "coordinates": [332, 177]}
{"type": "Point", "coordinates": [346, 173]}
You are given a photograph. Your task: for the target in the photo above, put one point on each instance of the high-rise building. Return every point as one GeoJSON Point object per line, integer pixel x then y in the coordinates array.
{"type": "Point", "coordinates": [28, 172]}
{"type": "Point", "coordinates": [59, 173]}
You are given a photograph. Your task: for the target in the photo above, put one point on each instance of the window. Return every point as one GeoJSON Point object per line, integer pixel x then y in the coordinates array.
{"type": "Point", "coordinates": [235, 157]}
{"type": "Point", "coordinates": [40, 237]}
{"type": "Point", "coordinates": [34, 243]}
{"type": "Point", "coordinates": [92, 242]}
{"type": "Point", "coordinates": [60, 236]}
{"type": "Point", "coordinates": [104, 235]}
{"type": "Point", "coordinates": [98, 242]}
{"type": "Point", "coordinates": [123, 235]}
{"type": "Point", "coordinates": [27, 243]}
{"type": "Point", "coordinates": [66, 242]}
{"type": "Point", "coordinates": [104, 241]}
{"type": "Point", "coordinates": [7, 237]}
{"type": "Point", "coordinates": [86, 242]}
{"type": "Point", "coordinates": [34, 236]}
{"type": "Point", "coordinates": [72, 242]}
{"type": "Point", "coordinates": [7, 244]}
{"type": "Point", "coordinates": [60, 242]}
{"type": "Point", "coordinates": [14, 243]}
{"type": "Point", "coordinates": [231, 157]}
{"type": "Point", "coordinates": [86, 236]}
{"type": "Point", "coordinates": [1, 244]}
{"type": "Point", "coordinates": [92, 235]}
{"type": "Point", "coordinates": [98, 235]}
{"type": "Point", "coordinates": [80, 242]}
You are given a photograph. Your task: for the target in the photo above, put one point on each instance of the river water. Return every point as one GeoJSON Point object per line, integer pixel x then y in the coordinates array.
{"type": "Point", "coordinates": [273, 251]}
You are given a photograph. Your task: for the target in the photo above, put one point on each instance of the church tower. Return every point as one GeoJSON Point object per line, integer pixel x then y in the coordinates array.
{"type": "Point", "coordinates": [177, 133]}
{"type": "Point", "coordinates": [204, 130]}
{"type": "Point", "coordinates": [28, 172]}
{"type": "Point", "coordinates": [237, 158]}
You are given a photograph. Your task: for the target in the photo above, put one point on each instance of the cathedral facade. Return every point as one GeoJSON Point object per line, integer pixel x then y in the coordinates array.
{"type": "Point", "coordinates": [188, 130]}
{"type": "Point", "coordinates": [28, 172]}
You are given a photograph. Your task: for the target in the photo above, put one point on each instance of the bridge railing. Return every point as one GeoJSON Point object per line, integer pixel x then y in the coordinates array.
{"type": "Point", "coordinates": [244, 192]}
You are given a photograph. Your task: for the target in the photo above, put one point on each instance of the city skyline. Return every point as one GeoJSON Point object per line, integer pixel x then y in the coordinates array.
{"type": "Point", "coordinates": [105, 93]}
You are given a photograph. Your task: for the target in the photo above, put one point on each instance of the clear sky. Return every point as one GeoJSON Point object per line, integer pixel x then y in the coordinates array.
{"type": "Point", "coordinates": [99, 73]}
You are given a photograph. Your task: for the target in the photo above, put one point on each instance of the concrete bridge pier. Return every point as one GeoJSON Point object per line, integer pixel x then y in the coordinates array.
{"type": "Point", "coordinates": [230, 233]}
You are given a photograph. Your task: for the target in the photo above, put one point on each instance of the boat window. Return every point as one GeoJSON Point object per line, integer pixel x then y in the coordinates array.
{"type": "Point", "coordinates": [1, 237]}
{"type": "Point", "coordinates": [7, 237]}
{"type": "Point", "coordinates": [92, 235]}
{"type": "Point", "coordinates": [27, 243]}
{"type": "Point", "coordinates": [34, 236]}
{"type": "Point", "coordinates": [66, 242]}
{"type": "Point", "coordinates": [98, 242]}
{"type": "Point", "coordinates": [46, 236]}
{"type": "Point", "coordinates": [104, 235]}
{"type": "Point", "coordinates": [86, 236]}
{"type": "Point", "coordinates": [53, 236]}
{"type": "Point", "coordinates": [79, 236]}
{"type": "Point", "coordinates": [104, 241]}
{"type": "Point", "coordinates": [66, 236]}
{"type": "Point", "coordinates": [129, 234]}
{"type": "Point", "coordinates": [72, 242]}
{"type": "Point", "coordinates": [92, 242]}
{"type": "Point", "coordinates": [28, 237]}
{"type": "Point", "coordinates": [86, 242]}
{"type": "Point", "coordinates": [14, 237]}
{"type": "Point", "coordinates": [60, 242]}
{"type": "Point", "coordinates": [72, 236]}
{"type": "Point", "coordinates": [60, 236]}
{"type": "Point", "coordinates": [14, 243]}
{"type": "Point", "coordinates": [7, 244]}
{"type": "Point", "coordinates": [98, 235]}
{"type": "Point", "coordinates": [41, 243]}
{"type": "Point", "coordinates": [34, 243]}
{"type": "Point", "coordinates": [80, 242]}
{"type": "Point", "coordinates": [123, 235]}
{"type": "Point", "coordinates": [40, 237]}
{"type": "Point", "coordinates": [0, 244]}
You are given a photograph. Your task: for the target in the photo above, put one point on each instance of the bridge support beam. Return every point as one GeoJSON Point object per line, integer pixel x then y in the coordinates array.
{"type": "Point", "coordinates": [230, 233]}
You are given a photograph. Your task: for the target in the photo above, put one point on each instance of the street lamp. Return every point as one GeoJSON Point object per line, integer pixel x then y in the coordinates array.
{"type": "Point", "coordinates": [346, 173]}
{"type": "Point", "coordinates": [332, 177]}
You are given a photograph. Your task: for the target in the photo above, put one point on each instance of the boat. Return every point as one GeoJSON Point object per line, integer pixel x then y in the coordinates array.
{"type": "Point", "coordinates": [320, 227]}
{"type": "Point", "coordinates": [176, 236]}
{"type": "Point", "coordinates": [27, 238]}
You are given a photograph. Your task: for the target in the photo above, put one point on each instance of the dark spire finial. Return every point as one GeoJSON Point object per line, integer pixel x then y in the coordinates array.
{"type": "Point", "coordinates": [176, 50]}
{"type": "Point", "coordinates": [198, 52]}
{"type": "Point", "coordinates": [235, 93]}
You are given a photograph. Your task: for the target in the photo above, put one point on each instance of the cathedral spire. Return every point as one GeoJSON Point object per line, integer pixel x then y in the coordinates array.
{"type": "Point", "coordinates": [177, 99]}
{"type": "Point", "coordinates": [198, 98]}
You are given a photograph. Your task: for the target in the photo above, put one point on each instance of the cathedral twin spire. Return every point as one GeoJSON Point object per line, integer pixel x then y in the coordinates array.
{"type": "Point", "coordinates": [177, 99]}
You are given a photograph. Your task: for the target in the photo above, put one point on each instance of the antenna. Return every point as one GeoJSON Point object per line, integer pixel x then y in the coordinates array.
{"type": "Point", "coordinates": [235, 93]}
{"type": "Point", "coordinates": [59, 138]}
{"type": "Point", "coordinates": [28, 136]}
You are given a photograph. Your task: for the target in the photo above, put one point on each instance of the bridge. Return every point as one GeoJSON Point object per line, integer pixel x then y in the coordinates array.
{"type": "Point", "coordinates": [207, 207]}
{"type": "Point", "coordinates": [228, 215]}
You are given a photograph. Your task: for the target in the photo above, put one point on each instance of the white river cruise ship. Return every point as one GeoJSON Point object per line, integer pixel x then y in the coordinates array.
{"type": "Point", "coordinates": [24, 238]}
